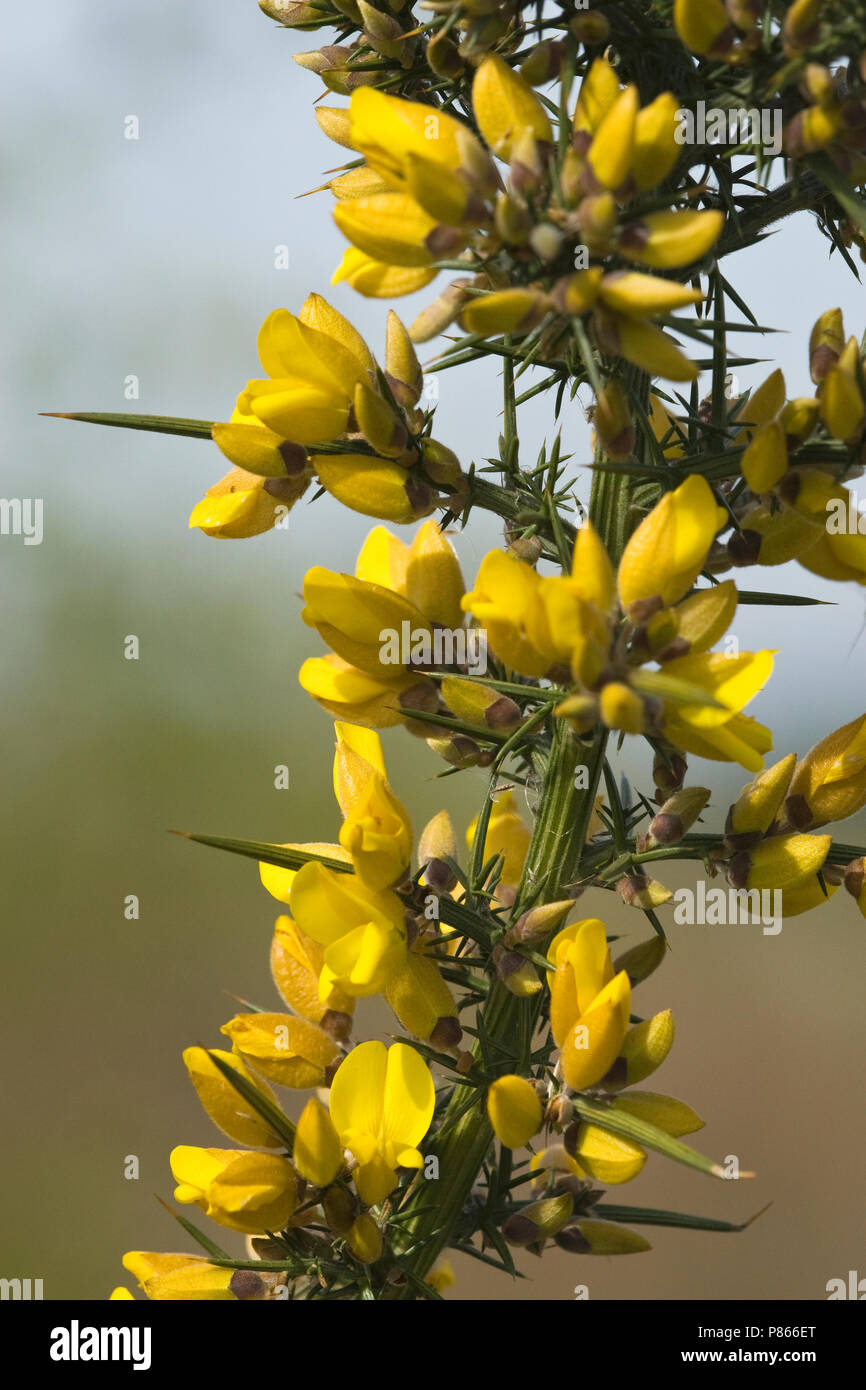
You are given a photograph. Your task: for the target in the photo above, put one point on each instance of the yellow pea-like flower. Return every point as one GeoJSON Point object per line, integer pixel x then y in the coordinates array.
{"type": "Point", "coordinates": [381, 1103]}
{"type": "Point", "coordinates": [373, 487]}
{"type": "Point", "coordinates": [508, 835]}
{"type": "Point", "coordinates": [290, 1051]}
{"type": "Point", "coordinates": [705, 616]}
{"type": "Point", "coordinates": [244, 504]}
{"type": "Point", "coordinates": [504, 104]}
{"type": "Point", "coordinates": [666, 553]}
{"type": "Point", "coordinates": [610, 154]}
{"type": "Point", "coordinates": [362, 931]}
{"type": "Point", "coordinates": [249, 1192]}
{"type": "Point", "coordinates": [829, 783]}
{"type": "Point", "coordinates": [639, 296]}
{"type": "Point", "coordinates": [763, 405]}
{"type": "Point", "coordinates": [589, 1005]}
{"type": "Point", "coordinates": [644, 344]}
{"type": "Point", "coordinates": [348, 693]}
{"type": "Point", "coordinates": [668, 240]}
{"type": "Point", "coordinates": [713, 730]}
{"type": "Point", "coordinates": [179, 1278]}
{"type": "Point", "coordinates": [599, 90]}
{"type": "Point", "coordinates": [841, 402]}
{"type": "Point", "coordinates": [224, 1105]}
{"type": "Point", "coordinates": [296, 965]}
{"type": "Point", "coordinates": [376, 831]}
{"type": "Point", "coordinates": [765, 461]}
{"type": "Point", "coordinates": [378, 280]}
{"type": "Point", "coordinates": [317, 1153]}
{"type": "Point", "coordinates": [394, 228]}
{"type": "Point", "coordinates": [433, 581]}
{"type": "Point", "coordinates": [786, 861]}
{"type": "Point", "coordinates": [514, 1110]}
{"type": "Point", "coordinates": [704, 27]}
{"type": "Point", "coordinates": [421, 999]}
{"type": "Point", "coordinates": [656, 149]}
{"type": "Point", "coordinates": [351, 615]}
{"type": "Point", "coordinates": [505, 311]}
{"type": "Point", "coordinates": [760, 801]}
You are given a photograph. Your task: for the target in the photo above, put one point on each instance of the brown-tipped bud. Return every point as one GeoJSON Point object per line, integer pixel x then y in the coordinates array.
{"type": "Point", "coordinates": [640, 961]}
{"type": "Point", "coordinates": [738, 869]}
{"type": "Point", "coordinates": [439, 877]}
{"type": "Point", "coordinates": [526, 548]}
{"type": "Point", "coordinates": [340, 1208]}
{"type": "Point", "coordinates": [539, 1221]}
{"type": "Point", "coordinates": [559, 1113]}
{"type": "Point", "coordinates": [543, 63]}
{"type": "Point", "coordinates": [613, 422]}
{"type": "Point", "coordinates": [636, 890]}
{"type": "Point", "coordinates": [546, 241]}
{"type": "Point", "coordinates": [744, 547]}
{"type": "Point", "coordinates": [596, 218]}
{"type": "Point", "coordinates": [744, 13]}
{"type": "Point", "coordinates": [336, 1024]}
{"type": "Point", "coordinates": [517, 973]}
{"type": "Point", "coordinates": [440, 462]}
{"type": "Point", "coordinates": [590, 28]}
{"type": "Point", "coordinates": [817, 83]}
{"type": "Point", "coordinates": [539, 922]}
{"type": "Point", "coordinates": [289, 13]}
{"type": "Point", "coordinates": [464, 1063]}
{"type": "Point", "coordinates": [512, 219]}
{"type": "Point", "coordinates": [247, 1286]}
{"type": "Point", "coordinates": [678, 813]}
{"type": "Point", "coordinates": [377, 422]}
{"type": "Point", "coordinates": [446, 1034]}
{"type": "Point", "coordinates": [801, 26]}
{"type": "Point", "coordinates": [527, 164]}
{"type": "Point", "coordinates": [402, 368]}
{"type": "Point", "coordinates": [443, 311]}
{"type": "Point", "coordinates": [825, 344]}
{"type": "Point", "coordinates": [669, 770]}
{"type": "Point", "coordinates": [443, 56]}
{"type": "Point", "coordinates": [571, 176]}
{"type": "Point", "coordinates": [855, 875]}
{"type": "Point", "coordinates": [421, 698]}
{"type": "Point", "coordinates": [457, 749]}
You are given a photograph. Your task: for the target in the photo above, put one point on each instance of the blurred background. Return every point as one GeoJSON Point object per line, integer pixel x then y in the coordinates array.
{"type": "Point", "coordinates": [154, 258]}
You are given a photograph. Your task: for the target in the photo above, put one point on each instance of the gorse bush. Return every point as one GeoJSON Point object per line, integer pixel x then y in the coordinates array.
{"type": "Point", "coordinates": [581, 178]}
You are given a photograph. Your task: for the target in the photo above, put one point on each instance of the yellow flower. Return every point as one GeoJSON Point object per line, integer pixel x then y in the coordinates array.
{"type": "Point", "coordinates": [514, 1110]}
{"type": "Point", "coordinates": [829, 783]}
{"type": "Point", "coordinates": [378, 280]}
{"type": "Point", "coordinates": [248, 1192]}
{"type": "Point", "coordinates": [609, 1158]}
{"type": "Point", "coordinates": [508, 835]}
{"type": "Point", "coordinates": [381, 1104]}
{"type": "Point", "coordinates": [504, 105]}
{"type": "Point", "coordinates": [179, 1277]}
{"type": "Point", "coordinates": [376, 831]}
{"type": "Point", "coordinates": [316, 1152]}
{"type": "Point", "coordinates": [296, 965]}
{"type": "Point", "coordinates": [667, 552]}
{"type": "Point", "coordinates": [362, 931]}
{"type": "Point", "coordinates": [290, 1051]}
{"type": "Point", "coordinates": [226, 1106]}
{"type": "Point", "coordinates": [589, 1005]}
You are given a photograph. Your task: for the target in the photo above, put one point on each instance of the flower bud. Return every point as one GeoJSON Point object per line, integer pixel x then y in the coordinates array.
{"type": "Point", "coordinates": [443, 56]}
{"type": "Point", "coordinates": [436, 317]}
{"type": "Point", "coordinates": [542, 64]}
{"type": "Point", "coordinates": [677, 815]}
{"type": "Point", "coordinates": [758, 804]}
{"type": "Point", "coordinates": [704, 27]}
{"type": "Point", "coordinates": [825, 344]}
{"type": "Point", "coordinates": [613, 422]}
{"type": "Point", "coordinates": [517, 973]}
{"type": "Point", "coordinates": [636, 890]}
{"type": "Point", "coordinates": [669, 769]}
{"type": "Point", "coordinates": [539, 1220]}
{"type": "Point", "coordinates": [601, 1238]}
{"type": "Point", "coordinates": [622, 708]}
{"type": "Point", "coordinates": [402, 368]}
{"type": "Point", "coordinates": [801, 25]}
{"type": "Point", "coordinates": [855, 882]}
{"type": "Point", "coordinates": [640, 961]}
{"type": "Point", "coordinates": [341, 1208]}
{"type": "Point", "coordinates": [590, 28]}
{"type": "Point", "coordinates": [539, 922]}
{"type": "Point", "coordinates": [377, 422]}
{"type": "Point", "coordinates": [365, 1239]}
{"type": "Point", "coordinates": [440, 462]}
{"type": "Point", "coordinates": [830, 781]}
{"type": "Point", "coordinates": [646, 1046]}
{"type": "Point", "coordinates": [479, 705]}
{"type": "Point", "coordinates": [514, 1111]}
